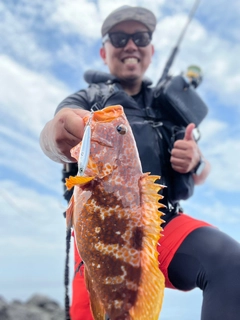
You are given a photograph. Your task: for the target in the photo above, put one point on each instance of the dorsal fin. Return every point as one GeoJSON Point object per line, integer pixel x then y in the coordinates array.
{"type": "Point", "coordinates": [150, 294]}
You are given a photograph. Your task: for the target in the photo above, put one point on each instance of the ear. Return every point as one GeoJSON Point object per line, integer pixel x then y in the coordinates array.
{"type": "Point", "coordinates": [153, 50]}
{"type": "Point", "coordinates": [103, 54]}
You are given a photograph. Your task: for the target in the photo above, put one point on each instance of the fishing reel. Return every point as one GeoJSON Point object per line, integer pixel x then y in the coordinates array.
{"type": "Point", "coordinates": [194, 76]}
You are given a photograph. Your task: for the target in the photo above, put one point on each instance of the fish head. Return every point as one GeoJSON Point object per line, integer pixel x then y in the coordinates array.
{"type": "Point", "coordinates": [112, 142]}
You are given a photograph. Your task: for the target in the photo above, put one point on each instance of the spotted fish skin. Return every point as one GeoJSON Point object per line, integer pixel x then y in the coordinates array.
{"type": "Point", "coordinates": [117, 223]}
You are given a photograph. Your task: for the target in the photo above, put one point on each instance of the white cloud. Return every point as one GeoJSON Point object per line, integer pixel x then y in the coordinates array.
{"type": "Point", "coordinates": [18, 37]}
{"type": "Point", "coordinates": [81, 17]}
{"type": "Point", "coordinates": [187, 305]}
{"type": "Point", "coordinates": [211, 208]}
{"type": "Point", "coordinates": [28, 101]}
{"type": "Point", "coordinates": [19, 198]}
{"type": "Point", "coordinates": [32, 243]}
{"type": "Point", "coordinates": [31, 223]}
{"type": "Point", "coordinates": [220, 144]}
{"type": "Point", "coordinates": [29, 97]}
{"type": "Point", "coordinates": [212, 129]}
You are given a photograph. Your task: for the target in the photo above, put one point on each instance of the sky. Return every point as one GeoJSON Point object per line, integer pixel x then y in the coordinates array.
{"type": "Point", "coordinates": [45, 48]}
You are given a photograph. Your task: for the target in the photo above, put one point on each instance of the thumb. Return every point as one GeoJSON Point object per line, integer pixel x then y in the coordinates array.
{"type": "Point", "coordinates": [81, 112]}
{"type": "Point", "coordinates": [189, 132]}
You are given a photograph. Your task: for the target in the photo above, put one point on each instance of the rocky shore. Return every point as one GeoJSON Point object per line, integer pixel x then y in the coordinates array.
{"type": "Point", "coordinates": [38, 307]}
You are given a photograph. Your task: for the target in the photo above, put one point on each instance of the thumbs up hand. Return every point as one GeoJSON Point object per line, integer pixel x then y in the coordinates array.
{"type": "Point", "coordinates": [185, 154]}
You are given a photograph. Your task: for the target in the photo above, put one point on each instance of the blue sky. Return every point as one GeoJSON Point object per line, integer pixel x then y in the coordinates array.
{"type": "Point", "coordinates": [45, 49]}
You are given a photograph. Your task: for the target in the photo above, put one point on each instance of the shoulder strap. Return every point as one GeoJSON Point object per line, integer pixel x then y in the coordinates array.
{"type": "Point", "coordinates": [93, 76]}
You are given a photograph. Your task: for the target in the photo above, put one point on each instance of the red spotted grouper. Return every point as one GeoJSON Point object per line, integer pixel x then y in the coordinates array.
{"type": "Point", "coordinates": [116, 221]}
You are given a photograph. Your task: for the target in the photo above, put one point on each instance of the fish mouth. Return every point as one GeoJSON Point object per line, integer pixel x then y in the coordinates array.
{"type": "Point", "coordinates": [103, 142]}
{"type": "Point", "coordinates": [108, 114]}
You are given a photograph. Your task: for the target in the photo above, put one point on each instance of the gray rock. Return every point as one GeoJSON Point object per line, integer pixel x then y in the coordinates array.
{"type": "Point", "coordinates": [3, 309]}
{"type": "Point", "coordinates": [43, 302]}
{"type": "Point", "coordinates": [38, 307]}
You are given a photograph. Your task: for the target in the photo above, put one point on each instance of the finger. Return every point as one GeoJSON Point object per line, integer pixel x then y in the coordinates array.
{"type": "Point", "coordinates": [180, 155]}
{"type": "Point", "coordinates": [75, 128]}
{"type": "Point", "coordinates": [179, 145]}
{"type": "Point", "coordinates": [179, 169]}
{"type": "Point", "coordinates": [179, 161]}
{"type": "Point", "coordinates": [189, 146]}
{"type": "Point", "coordinates": [74, 123]}
{"type": "Point", "coordinates": [189, 132]}
{"type": "Point", "coordinates": [65, 145]}
{"type": "Point", "coordinates": [179, 165]}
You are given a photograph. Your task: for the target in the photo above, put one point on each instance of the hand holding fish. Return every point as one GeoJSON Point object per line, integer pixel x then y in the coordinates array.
{"type": "Point", "coordinates": [62, 133]}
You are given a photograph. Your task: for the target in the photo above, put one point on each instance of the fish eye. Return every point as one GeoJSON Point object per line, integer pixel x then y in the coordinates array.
{"type": "Point", "coordinates": [122, 129]}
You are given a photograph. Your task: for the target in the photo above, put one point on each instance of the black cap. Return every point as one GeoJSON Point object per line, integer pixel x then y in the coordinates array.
{"type": "Point", "coordinates": [128, 13]}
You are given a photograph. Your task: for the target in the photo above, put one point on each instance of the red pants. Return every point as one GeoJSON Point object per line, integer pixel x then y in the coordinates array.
{"type": "Point", "coordinates": [80, 306]}
{"type": "Point", "coordinates": [173, 235]}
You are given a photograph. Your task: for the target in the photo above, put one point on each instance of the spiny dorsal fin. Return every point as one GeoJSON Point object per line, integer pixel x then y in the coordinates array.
{"type": "Point", "coordinates": [150, 294]}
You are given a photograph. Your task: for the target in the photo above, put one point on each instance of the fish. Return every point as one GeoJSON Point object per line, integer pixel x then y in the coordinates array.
{"type": "Point", "coordinates": [115, 214]}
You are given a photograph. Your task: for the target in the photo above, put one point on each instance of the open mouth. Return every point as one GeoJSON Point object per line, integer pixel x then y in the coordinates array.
{"type": "Point", "coordinates": [130, 61]}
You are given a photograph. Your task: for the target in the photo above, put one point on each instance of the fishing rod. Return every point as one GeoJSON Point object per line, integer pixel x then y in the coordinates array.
{"type": "Point", "coordinates": [176, 95]}
{"type": "Point", "coordinates": [176, 48]}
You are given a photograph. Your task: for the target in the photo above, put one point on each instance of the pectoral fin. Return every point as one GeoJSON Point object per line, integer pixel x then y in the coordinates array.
{"type": "Point", "coordinates": [77, 180]}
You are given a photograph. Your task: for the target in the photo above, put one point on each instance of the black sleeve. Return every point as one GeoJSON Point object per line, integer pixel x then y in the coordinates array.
{"type": "Point", "coordinates": [78, 100]}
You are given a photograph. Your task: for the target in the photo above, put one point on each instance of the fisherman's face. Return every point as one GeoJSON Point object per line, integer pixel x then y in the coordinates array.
{"type": "Point", "coordinates": [130, 62]}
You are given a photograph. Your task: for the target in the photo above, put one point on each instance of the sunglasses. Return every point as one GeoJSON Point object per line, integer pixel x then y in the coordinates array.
{"type": "Point", "coordinates": [120, 39]}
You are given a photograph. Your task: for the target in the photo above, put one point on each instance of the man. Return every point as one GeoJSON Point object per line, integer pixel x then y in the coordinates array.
{"type": "Point", "coordinates": [192, 253]}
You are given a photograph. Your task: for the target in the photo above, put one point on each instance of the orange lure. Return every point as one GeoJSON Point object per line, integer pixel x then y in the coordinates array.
{"type": "Point", "coordinates": [117, 224]}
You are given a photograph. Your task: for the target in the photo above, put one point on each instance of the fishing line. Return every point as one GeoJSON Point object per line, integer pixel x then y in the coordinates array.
{"type": "Point", "coordinates": [66, 274]}
{"type": "Point", "coordinates": [82, 164]}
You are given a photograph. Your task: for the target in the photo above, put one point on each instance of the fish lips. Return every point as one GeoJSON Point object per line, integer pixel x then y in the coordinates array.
{"type": "Point", "coordinates": [102, 141]}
